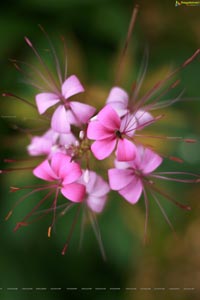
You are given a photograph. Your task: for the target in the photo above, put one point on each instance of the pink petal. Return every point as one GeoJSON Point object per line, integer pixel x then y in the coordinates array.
{"type": "Point", "coordinates": [51, 135]}
{"type": "Point", "coordinates": [59, 160]}
{"type": "Point", "coordinates": [67, 139]}
{"type": "Point", "coordinates": [44, 171]}
{"type": "Point", "coordinates": [143, 118]}
{"type": "Point", "coordinates": [74, 192]}
{"type": "Point", "coordinates": [59, 120]}
{"type": "Point", "coordinates": [150, 161]}
{"type": "Point", "coordinates": [119, 178]}
{"type": "Point", "coordinates": [118, 99]}
{"type": "Point", "coordinates": [82, 112]}
{"type": "Point", "coordinates": [109, 118]}
{"type": "Point", "coordinates": [96, 204]}
{"type": "Point", "coordinates": [97, 186]}
{"type": "Point", "coordinates": [132, 191]}
{"type": "Point", "coordinates": [126, 150]}
{"type": "Point", "coordinates": [102, 149]}
{"type": "Point", "coordinates": [128, 125]}
{"type": "Point", "coordinates": [122, 164]}
{"type": "Point", "coordinates": [46, 100]}
{"type": "Point", "coordinates": [39, 146]}
{"type": "Point", "coordinates": [96, 131]}
{"type": "Point", "coordinates": [71, 86]}
{"type": "Point", "coordinates": [70, 172]}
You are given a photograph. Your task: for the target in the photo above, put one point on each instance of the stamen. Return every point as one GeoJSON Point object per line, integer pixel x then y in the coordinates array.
{"type": "Point", "coordinates": [16, 169]}
{"type": "Point", "coordinates": [161, 83]}
{"type": "Point", "coordinates": [124, 50]}
{"type": "Point", "coordinates": [161, 175]}
{"type": "Point", "coordinates": [54, 207]}
{"type": "Point", "coordinates": [28, 194]}
{"type": "Point", "coordinates": [11, 160]}
{"type": "Point", "coordinates": [58, 68]}
{"type": "Point", "coordinates": [65, 56]}
{"type": "Point", "coordinates": [14, 189]}
{"type": "Point", "coordinates": [155, 102]}
{"type": "Point", "coordinates": [190, 141]}
{"type": "Point", "coordinates": [8, 215]}
{"type": "Point", "coordinates": [97, 232]}
{"type": "Point", "coordinates": [176, 159]}
{"type": "Point", "coordinates": [28, 77]}
{"type": "Point", "coordinates": [19, 98]}
{"type": "Point", "coordinates": [49, 232]}
{"type": "Point", "coordinates": [141, 77]}
{"type": "Point", "coordinates": [172, 138]}
{"type": "Point", "coordinates": [137, 127]}
{"type": "Point", "coordinates": [64, 249]}
{"type": "Point", "coordinates": [28, 42]}
{"type": "Point", "coordinates": [43, 64]}
{"type": "Point", "coordinates": [189, 60]}
{"type": "Point", "coordinates": [163, 212]}
{"type": "Point", "coordinates": [146, 201]}
{"type": "Point", "coordinates": [71, 231]}
{"type": "Point", "coordinates": [20, 224]}
{"type": "Point", "coordinates": [32, 211]}
{"type": "Point", "coordinates": [155, 105]}
{"type": "Point", "coordinates": [166, 196]}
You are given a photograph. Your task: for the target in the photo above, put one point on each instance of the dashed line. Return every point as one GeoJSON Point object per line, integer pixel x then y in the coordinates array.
{"type": "Point", "coordinates": [98, 289]}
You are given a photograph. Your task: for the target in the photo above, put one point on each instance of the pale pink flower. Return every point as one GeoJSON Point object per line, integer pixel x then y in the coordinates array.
{"type": "Point", "coordinates": [68, 112]}
{"type": "Point", "coordinates": [65, 175]}
{"type": "Point", "coordinates": [128, 178]}
{"type": "Point", "coordinates": [118, 99]}
{"type": "Point", "coordinates": [51, 142]}
{"type": "Point", "coordinates": [120, 102]}
{"type": "Point", "coordinates": [96, 191]}
{"type": "Point", "coordinates": [110, 132]}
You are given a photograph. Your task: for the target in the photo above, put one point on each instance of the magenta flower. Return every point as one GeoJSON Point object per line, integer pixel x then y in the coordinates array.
{"type": "Point", "coordinates": [128, 178]}
{"type": "Point", "coordinates": [111, 132]}
{"type": "Point", "coordinates": [96, 191]}
{"type": "Point", "coordinates": [68, 112]}
{"type": "Point", "coordinates": [65, 174]}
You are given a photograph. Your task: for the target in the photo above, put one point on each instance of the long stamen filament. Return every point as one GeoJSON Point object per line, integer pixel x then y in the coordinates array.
{"type": "Point", "coordinates": [71, 230]}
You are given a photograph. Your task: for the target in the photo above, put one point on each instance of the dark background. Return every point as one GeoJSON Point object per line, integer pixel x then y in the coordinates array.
{"type": "Point", "coordinates": [95, 31]}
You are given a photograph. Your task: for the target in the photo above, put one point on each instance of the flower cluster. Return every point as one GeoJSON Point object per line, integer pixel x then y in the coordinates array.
{"type": "Point", "coordinates": [77, 134]}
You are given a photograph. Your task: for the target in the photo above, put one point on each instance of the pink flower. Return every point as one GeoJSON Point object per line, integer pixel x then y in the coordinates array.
{"type": "Point", "coordinates": [120, 102]}
{"type": "Point", "coordinates": [65, 173]}
{"type": "Point", "coordinates": [96, 191]}
{"type": "Point", "coordinates": [51, 142]}
{"type": "Point", "coordinates": [111, 132]}
{"type": "Point", "coordinates": [128, 178]}
{"type": "Point", "coordinates": [68, 112]}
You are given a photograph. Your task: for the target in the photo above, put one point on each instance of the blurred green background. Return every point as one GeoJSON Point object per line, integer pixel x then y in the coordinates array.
{"type": "Point", "coordinates": [95, 31]}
